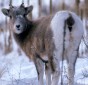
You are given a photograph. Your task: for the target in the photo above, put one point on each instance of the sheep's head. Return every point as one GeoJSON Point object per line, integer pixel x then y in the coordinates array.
{"type": "Point", "coordinates": [18, 16]}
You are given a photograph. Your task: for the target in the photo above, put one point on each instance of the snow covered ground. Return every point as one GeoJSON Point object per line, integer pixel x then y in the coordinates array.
{"type": "Point", "coordinates": [19, 70]}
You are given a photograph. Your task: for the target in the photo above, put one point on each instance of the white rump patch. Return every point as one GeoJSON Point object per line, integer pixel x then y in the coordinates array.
{"type": "Point", "coordinates": [57, 26]}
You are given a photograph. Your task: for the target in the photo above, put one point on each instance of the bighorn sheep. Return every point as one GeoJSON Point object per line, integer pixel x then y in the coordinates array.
{"type": "Point", "coordinates": [47, 40]}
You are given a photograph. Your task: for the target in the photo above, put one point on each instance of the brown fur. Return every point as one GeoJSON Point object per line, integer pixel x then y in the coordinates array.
{"type": "Point", "coordinates": [39, 39]}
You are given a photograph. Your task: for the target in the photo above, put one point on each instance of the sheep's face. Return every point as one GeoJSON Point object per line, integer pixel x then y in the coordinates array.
{"type": "Point", "coordinates": [18, 17]}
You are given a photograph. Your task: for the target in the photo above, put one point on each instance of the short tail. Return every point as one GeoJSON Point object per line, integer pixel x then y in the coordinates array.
{"type": "Point", "coordinates": [70, 22]}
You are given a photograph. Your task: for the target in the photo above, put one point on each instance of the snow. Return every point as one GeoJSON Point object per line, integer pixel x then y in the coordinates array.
{"type": "Point", "coordinates": [17, 68]}
{"type": "Point", "coordinates": [81, 67]}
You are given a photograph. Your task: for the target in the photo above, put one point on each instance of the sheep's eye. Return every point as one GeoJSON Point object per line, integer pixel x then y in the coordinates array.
{"type": "Point", "coordinates": [24, 15]}
{"type": "Point", "coordinates": [10, 16]}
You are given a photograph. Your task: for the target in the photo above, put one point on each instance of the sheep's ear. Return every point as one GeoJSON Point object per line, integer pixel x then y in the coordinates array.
{"type": "Point", "coordinates": [28, 9]}
{"type": "Point", "coordinates": [5, 11]}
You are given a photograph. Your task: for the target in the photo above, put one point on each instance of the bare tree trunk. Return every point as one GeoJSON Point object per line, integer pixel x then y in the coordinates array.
{"type": "Point", "coordinates": [5, 38]}
{"type": "Point", "coordinates": [86, 16]}
{"type": "Point", "coordinates": [86, 8]}
{"type": "Point", "coordinates": [4, 30]}
{"type": "Point", "coordinates": [28, 2]}
{"type": "Point", "coordinates": [10, 2]}
{"type": "Point", "coordinates": [29, 15]}
{"type": "Point", "coordinates": [40, 7]}
{"type": "Point", "coordinates": [77, 2]}
{"type": "Point", "coordinates": [63, 5]}
{"type": "Point", "coordinates": [81, 14]}
{"type": "Point", "coordinates": [8, 39]}
{"type": "Point", "coordinates": [50, 6]}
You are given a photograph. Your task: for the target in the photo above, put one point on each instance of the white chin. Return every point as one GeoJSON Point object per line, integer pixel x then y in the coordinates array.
{"type": "Point", "coordinates": [18, 31]}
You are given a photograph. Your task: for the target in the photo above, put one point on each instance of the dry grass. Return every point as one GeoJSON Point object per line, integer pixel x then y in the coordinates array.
{"type": "Point", "coordinates": [2, 71]}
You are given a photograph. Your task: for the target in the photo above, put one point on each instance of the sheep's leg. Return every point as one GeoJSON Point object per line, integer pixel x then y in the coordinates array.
{"type": "Point", "coordinates": [71, 67]}
{"type": "Point", "coordinates": [56, 72]}
{"type": "Point", "coordinates": [40, 70]}
{"type": "Point", "coordinates": [48, 74]}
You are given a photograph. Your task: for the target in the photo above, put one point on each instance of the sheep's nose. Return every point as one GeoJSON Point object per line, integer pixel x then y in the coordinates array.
{"type": "Point", "coordinates": [18, 26]}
